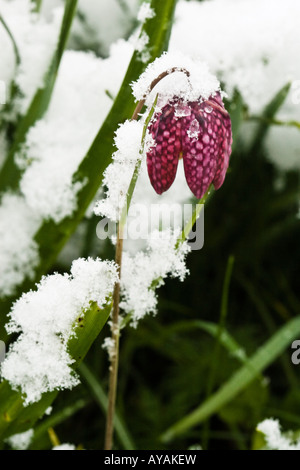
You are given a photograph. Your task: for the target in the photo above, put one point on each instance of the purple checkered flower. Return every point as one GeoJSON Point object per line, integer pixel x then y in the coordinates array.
{"type": "Point", "coordinates": [200, 133]}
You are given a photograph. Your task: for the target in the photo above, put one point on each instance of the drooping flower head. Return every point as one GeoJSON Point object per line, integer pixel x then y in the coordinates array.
{"type": "Point", "coordinates": [200, 133]}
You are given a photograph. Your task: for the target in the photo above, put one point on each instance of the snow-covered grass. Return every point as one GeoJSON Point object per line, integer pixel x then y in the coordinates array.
{"type": "Point", "coordinates": [39, 361]}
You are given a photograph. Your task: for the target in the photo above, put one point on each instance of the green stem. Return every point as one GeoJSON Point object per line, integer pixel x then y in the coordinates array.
{"type": "Point", "coordinates": [196, 213]}
{"type": "Point", "coordinates": [115, 328]}
{"type": "Point", "coordinates": [274, 122]}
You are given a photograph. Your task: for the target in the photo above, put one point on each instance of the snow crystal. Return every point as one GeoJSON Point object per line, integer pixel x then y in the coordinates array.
{"type": "Point", "coordinates": [145, 12]}
{"type": "Point", "coordinates": [49, 411]}
{"type": "Point", "coordinates": [110, 346]}
{"type": "Point", "coordinates": [194, 130]}
{"type": "Point", "coordinates": [140, 39]}
{"type": "Point", "coordinates": [65, 446]}
{"type": "Point", "coordinates": [20, 441]}
{"type": "Point", "coordinates": [200, 83]}
{"type": "Point", "coordinates": [39, 361]}
{"type": "Point", "coordinates": [161, 259]}
{"type": "Point", "coordinates": [18, 251]}
{"type": "Point", "coordinates": [141, 42]}
{"type": "Point", "coordinates": [274, 437]}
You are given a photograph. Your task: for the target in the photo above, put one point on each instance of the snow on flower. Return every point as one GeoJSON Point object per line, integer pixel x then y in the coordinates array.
{"type": "Point", "coordinates": [39, 360]}
{"type": "Point", "coordinates": [274, 438]}
{"type": "Point", "coordinates": [199, 83]}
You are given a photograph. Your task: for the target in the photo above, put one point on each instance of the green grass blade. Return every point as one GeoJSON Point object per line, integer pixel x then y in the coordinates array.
{"type": "Point", "coordinates": [226, 339]}
{"type": "Point", "coordinates": [37, 5]}
{"type": "Point", "coordinates": [41, 430]}
{"type": "Point", "coordinates": [10, 173]}
{"type": "Point", "coordinates": [264, 357]}
{"type": "Point", "coordinates": [235, 107]}
{"type": "Point", "coordinates": [11, 36]}
{"type": "Point", "coordinates": [268, 115]}
{"type": "Point", "coordinates": [14, 417]}
{"type": "Point", "coordinates": [215, 357]}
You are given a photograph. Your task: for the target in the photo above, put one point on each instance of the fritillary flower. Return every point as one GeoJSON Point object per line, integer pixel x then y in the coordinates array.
{"type": "Point", "coordinates": [200, 133]}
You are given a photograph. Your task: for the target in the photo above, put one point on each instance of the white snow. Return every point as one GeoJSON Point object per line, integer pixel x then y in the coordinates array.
{"type": "Point", "coordinates": [118, 174]}
{"type": "Point", "coordinates": [36, 40]}
{"type": "Point", "coordinates": [57, 144]}
{"type": "Point", "coordinates": [20, 441]}
{"type": "Point", "coordinates": [65, 446]}
{"type": "Point", "coordinates": [161, 259]}
{"type": "Point", "coordinates": [274, 438]}
{"type": "Point", "coordinates": [140, 39]}
{"type": "Point", "coordinates": [145, 12]}
{"type": "Point", "coordinates": [200, 83]}
{"type": "Point", "coordinates": [18, 251]}
{"type": "Point", "coordinates": [54, 148]}
{"type": "Point", "coordinates": [105, 21]}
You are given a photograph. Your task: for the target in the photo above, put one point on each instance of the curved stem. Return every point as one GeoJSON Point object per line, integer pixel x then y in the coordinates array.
{"type": "Point", "coordinates": [115, 326]}
{"type": "Point", "coordinates": [155, 82]}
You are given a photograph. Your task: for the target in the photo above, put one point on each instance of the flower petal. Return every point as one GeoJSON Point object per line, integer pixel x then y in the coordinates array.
{"type": "Point", "coordinates": [162, 159]}
{"type": "Point", "coordinates": [224, 144]}
{"type": "Point", "coordinates": [206, 145]}
{"type": "Point", "coordinates": [199, 151]}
